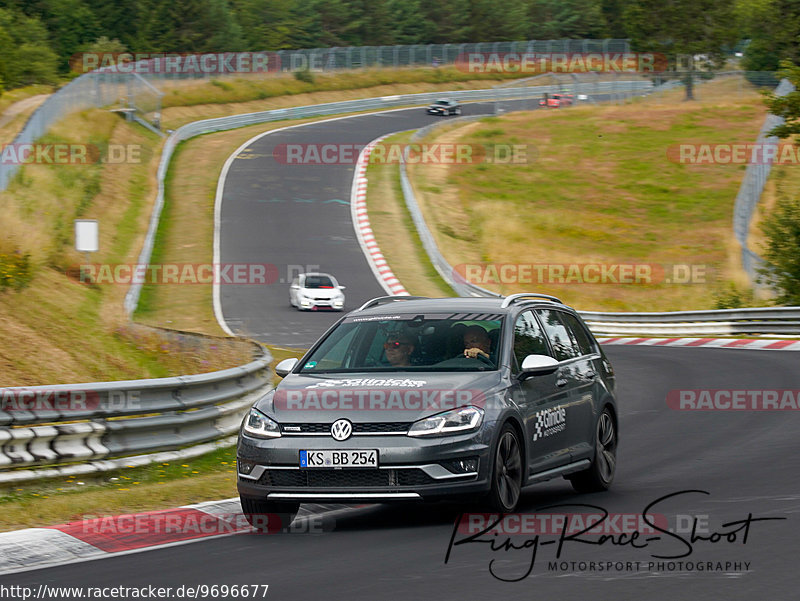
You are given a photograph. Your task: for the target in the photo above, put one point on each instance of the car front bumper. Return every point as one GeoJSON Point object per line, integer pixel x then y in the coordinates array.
{"type": "Point", "coordinates": [314, 304]}
{"type": "Point", "coordinates": [408, 469]}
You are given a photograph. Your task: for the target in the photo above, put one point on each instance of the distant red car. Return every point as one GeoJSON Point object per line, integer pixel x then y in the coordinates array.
{"type": "Point", "coordinates": [557, 100]}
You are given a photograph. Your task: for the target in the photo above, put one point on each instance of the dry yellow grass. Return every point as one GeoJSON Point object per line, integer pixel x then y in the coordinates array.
{"type": "Point", "coordinates": [601, 190]}
{"type": "Point", "coordinates": [54, 508]}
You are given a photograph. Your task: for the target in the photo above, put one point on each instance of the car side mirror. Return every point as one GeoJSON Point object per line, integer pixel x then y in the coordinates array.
{"type": "Point", "coordinates": [538, 365]}
{"type": "Point", "coordinates": [284, 367]}
{"type": "Point", "coordinates": [342, 287]}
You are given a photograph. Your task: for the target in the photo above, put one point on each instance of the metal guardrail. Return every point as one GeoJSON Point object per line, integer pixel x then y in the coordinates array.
{"type": "Point", "coordinates": [722, 322]}
{"type": "Point", "coordinates": [116, 419]}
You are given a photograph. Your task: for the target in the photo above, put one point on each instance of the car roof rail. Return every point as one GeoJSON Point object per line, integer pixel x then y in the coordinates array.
{"type": "Point", "coordinates": [382, 300]}
{"type": "Point", "coordinates": [511, 299]}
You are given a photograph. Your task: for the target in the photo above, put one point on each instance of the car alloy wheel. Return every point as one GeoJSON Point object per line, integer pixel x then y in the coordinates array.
{"type": "Point", "coordinates": [600, 474]}
{"type": "Point", "coordinates": [507, 473]}
{"type": "Point", "coordinates": [606, 447]}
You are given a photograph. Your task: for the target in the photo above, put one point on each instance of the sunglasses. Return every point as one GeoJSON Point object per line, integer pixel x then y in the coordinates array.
{"type": "Point", "coordinates": [394, 345]}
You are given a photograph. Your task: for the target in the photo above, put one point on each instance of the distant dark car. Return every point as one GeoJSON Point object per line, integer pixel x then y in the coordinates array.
{"type": "Point", "coordinates": [557, 100]}
{"type": "Point", "coordinates": [408, 398]}
{"type": "Point", "coordinates": [444, 107]}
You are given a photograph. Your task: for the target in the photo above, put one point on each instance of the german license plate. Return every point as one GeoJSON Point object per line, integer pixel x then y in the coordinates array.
{"type": "Point", "coordinates": [343, 458]}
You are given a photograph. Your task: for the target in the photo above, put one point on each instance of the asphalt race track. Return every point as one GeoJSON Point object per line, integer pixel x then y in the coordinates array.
{"type": "Point", "coordinates": [298, 216]}
{"type": "Point", "coordinates": [746, 461]}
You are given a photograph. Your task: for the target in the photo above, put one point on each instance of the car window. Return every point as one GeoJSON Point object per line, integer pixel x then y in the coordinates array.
{"type": "Point", "coordinates": [580, 335]}
{"type": "Point", "coordinates": [334, 353]}
{"type": "Point", "coordinates": [528, 337]}
{"type": "Point", "coordinates": [318, 281]}
{"type": "Point", "coordinates": [560, 338]}
{"type": "Point", "coordinates": [432, 343]}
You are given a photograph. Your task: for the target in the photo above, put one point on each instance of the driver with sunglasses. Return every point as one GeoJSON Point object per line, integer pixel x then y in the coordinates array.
{"type": "Point", "coordinates": [398, 348]}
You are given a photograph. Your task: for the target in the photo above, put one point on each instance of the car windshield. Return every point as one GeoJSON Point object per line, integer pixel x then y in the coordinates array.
{"type": "Point", "coordinates": [430, 342]}
{"type": "Point", "coordinates": [318, 281]}
{"type": "Point", "coordinates": [442, 102]}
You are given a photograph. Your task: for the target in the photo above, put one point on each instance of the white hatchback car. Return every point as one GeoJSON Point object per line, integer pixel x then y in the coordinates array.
{"type": "Point", "coordinates": [312, 291]}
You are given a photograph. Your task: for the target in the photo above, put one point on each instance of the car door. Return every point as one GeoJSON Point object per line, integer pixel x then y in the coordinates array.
{"type": "Point", "coordinates": [539, 398]}
{"type": "Point", "coordinates": [587, 387]}
{"type": "Point", "coordinates": [570, 430]}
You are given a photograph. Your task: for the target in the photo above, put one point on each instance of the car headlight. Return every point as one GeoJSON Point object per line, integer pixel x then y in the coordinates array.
{"type": "Point", "coordinates": [455, 421]}
{"type": "Point", "coordinates": [260, 426]}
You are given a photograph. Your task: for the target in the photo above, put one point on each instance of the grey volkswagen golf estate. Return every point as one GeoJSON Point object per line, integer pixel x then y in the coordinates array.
{"type": "Point", "coordinates": [414, 398]}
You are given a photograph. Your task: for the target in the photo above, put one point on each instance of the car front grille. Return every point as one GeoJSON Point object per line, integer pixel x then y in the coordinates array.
{"type": "Point", "coordinates": [361, 428]}
{"type": "Point", "coordinates": [344, 478]}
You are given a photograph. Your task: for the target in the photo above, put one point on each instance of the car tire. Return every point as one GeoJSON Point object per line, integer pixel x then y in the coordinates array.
{"type": "Point", "coordinates": [600, 474]}
{"type": "Point", "coordinates": [506, 472]}
{"type": "Point", "coordinates": [268, 516]}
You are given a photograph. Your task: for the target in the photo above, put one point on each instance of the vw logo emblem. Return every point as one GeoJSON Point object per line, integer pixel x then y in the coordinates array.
{"type": "Point", "coordinates": [341, 429]}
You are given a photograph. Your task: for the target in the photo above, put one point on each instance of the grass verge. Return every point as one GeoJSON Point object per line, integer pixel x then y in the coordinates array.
{"type": "Point", "coordinates": [599, 190]}
{"type": "Point", "coordinates": [147, 488]}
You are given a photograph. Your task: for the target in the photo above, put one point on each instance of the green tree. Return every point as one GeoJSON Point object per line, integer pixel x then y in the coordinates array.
{"type": "Point", "coordinates": [266, 24]}
{"type": "Point", "coordinates": [119, 20]}
{"type": "Point", "coordinates": [557, 19]}
{"type": "Point", "coordinates": [189, 26]}
{"type": "Point", "coordinates": [682, 28]}
{"type": "Point", "coordinates": [371, 23]}
{"type": "Point", "coordinates": [449, 21]}
{"type": "Point", "coordinates": [787, 106]}
{"type": "Point", "coordinates": [773, 26]}
{"type": "Point", "coordinates": [103, 44]}
{"type": "Point", "coordinates": [782, 252]}
{"type": "Point", "coordinates": [781, 228]}
{"type": "Point", "coordinates": [25, 56]}
{"type": "Point", "coordinates": [72, 26]}
{"type": "Point", "coordinates": [613, 15]}
{"type": "Point", "coordinates": [487, 21]}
